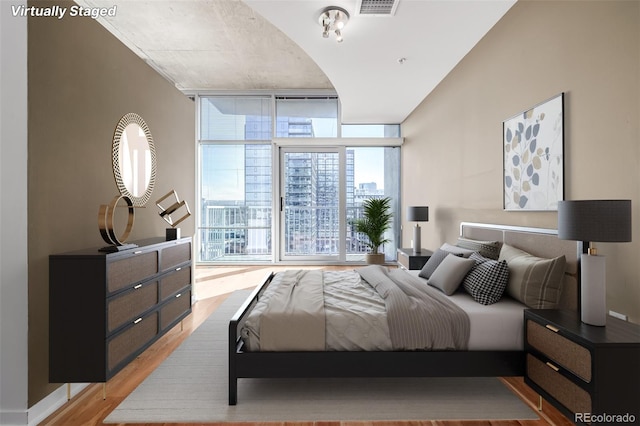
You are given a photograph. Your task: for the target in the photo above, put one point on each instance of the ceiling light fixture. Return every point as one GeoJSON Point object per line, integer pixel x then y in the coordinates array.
{"type": "Point", "coordinates": [333, 19]}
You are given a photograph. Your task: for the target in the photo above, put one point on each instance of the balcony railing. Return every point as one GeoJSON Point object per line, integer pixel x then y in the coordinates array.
{"type": "Point", "coordinates": [243, 233]}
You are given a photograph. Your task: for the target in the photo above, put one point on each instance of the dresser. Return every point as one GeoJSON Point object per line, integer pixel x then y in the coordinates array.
{"type": "Point", "coordinates": [583, 370]}
{"type": "Point", "coordinates": [107, 308]}
{"type": "Point", "coordinates": [407, 259]}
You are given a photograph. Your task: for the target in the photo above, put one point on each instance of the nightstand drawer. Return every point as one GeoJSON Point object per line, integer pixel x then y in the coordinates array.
{"type": "Point", "coordinates": [568, 354]}
{"type": "Point", "coordinates": [408, 259]}
{"type": "Point", "coordinates": [576, 399]}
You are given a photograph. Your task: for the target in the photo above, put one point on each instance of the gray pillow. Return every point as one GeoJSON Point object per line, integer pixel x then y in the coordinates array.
{"type": "Point", "coordinates": [450, 273]}
{"type": "Point", "coordinates": [488, 249]}
{"type": "Point", "coordinates": [534, 281]}
{"type": "Point", "coordinates": [457, 250]}
{"type": "Point", "coordinates": [433, 262]}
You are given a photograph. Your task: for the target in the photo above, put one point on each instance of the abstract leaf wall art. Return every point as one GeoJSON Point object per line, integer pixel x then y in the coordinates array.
{"type": "Point", "coordinates": [533, 157]}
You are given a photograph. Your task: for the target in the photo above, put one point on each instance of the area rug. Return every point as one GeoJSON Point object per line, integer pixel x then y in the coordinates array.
{"type": "Point", "coordinates": [190, 386]}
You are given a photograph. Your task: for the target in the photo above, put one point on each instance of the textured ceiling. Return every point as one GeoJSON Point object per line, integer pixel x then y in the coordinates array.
{"type": "Point", "coordinates": [277, 45]}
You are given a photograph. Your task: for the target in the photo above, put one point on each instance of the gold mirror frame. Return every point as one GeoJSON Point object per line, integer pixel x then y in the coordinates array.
{"type": "Point", "coordinates": [127, 119]}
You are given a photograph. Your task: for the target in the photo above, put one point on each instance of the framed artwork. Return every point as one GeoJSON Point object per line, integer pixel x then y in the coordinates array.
{"type": "Point", "coordinates": [533, 157]}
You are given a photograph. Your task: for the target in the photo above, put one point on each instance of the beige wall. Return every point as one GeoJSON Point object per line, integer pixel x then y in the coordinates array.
{"type": "Point", "coordinates": [452, 157]}
{"type": "Point", "coordinates": [81, 81]}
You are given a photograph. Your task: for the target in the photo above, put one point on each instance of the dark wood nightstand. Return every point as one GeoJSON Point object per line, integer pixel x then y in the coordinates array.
{"type": "Point", "coordinates": [582, 369]}
{"type": "Point", "coordinates": [407, 259]}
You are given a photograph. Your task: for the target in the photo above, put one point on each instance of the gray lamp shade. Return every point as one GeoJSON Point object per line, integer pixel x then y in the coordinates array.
{"type": "Point", "coordinates": [595, 220]}
{"type": "Point", "coordinates": [418, 214]}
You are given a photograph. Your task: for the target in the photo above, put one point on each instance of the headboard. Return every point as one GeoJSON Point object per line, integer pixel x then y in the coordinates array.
{"type": "Point", "coordinates": [539, 242]}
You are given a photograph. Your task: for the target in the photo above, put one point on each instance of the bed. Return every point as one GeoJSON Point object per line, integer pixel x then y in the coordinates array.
{"type": "Point", "coordinates": [494, 346]}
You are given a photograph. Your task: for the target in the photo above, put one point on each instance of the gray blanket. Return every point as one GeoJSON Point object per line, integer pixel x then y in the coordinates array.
{"type": "Point", "coordinates": [295, 319]}
{"type": "Point", "coordinates": [419, 316]}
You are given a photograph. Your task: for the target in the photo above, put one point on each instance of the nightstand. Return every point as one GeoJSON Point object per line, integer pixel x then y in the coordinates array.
{"type": "Point", "coordinates": [407, 259]}
{"type": "Point", "coordinates": [582, 369]}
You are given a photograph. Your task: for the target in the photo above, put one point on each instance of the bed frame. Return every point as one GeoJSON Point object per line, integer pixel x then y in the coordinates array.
{"type": "Point", "coordinates": [332, 364]}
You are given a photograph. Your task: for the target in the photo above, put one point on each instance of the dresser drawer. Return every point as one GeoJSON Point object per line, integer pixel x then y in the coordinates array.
{"type": "Point", "coordinates": [132, 269]}
{"type": "Point", "coordinates": [131, 340]}
{"type": "Point", "coordinates": [175, 255]}
{"type": "Point", "coordinates": [129, 306]}
{"type": "Point", "coordinates": [573, 397]}
{"type": "Point", "coordinates": [173, 282]}
{"type": "Point", "coordinates": [565, 352]}
{"type": "Point", "coordinates": [174, 309]}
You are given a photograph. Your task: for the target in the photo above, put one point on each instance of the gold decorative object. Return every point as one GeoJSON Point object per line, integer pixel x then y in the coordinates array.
{"type": "Point", "coordinates": [165, 213]}
{"type": "Point", "coordinates": [134, 159]}
{"type": "Point", "coordinates": [106, 215]}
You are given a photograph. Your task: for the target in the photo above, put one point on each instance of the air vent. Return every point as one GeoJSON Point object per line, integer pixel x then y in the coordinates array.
{"type": "Point", "coordinates": [377, 7]}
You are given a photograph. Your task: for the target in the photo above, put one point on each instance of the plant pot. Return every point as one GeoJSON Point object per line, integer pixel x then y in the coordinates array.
{"type": "Point", "coordinates": [374, 258]}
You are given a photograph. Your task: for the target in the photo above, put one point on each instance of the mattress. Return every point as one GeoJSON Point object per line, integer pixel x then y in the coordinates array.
{"type": "Point", "coordinates": [493, 327]}
{"type": "Point", "coordinates": [355, 317]}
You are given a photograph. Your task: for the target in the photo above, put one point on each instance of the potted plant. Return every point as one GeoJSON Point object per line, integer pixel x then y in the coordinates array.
{"type": "Point", "coordinates": [376, 221]}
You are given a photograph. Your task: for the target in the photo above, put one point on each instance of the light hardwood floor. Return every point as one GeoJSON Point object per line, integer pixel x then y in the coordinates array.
{"type": "Point", "coordinates": [212, 286]}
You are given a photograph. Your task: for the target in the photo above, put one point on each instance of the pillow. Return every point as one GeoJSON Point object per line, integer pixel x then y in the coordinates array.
{"type": "Point", "coordinates": [488, 249]}
{"type": "Point", "coordinates": [534, 281]}
{"type": "Point", "coordinates": [457, 250]}
{"type": "Point", "coordinates": [433, 262]}
{"type": "Point", "coordinates": [449, 274]}
{"type": "Point", "coordinates": [487, 280]}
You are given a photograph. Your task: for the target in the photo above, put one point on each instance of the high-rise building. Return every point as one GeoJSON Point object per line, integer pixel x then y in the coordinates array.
{"type": "Point", "coordinates": [311, 188]}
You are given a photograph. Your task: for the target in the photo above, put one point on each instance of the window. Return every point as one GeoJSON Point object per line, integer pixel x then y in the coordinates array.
{"type": "Point", "coordinates": [236, 201]}
{"type": "Point", "coordinates": [325, 186]}
{"type": "Point", "coordinates": [225, 118]}
{"type": "Point", "coordinates": [306, 117]}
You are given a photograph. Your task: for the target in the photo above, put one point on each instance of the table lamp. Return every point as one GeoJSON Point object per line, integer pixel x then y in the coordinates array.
{"type": "Point", "coordinates": [417, 214]}
{"type": "Point", "coordinates": [594, 221]}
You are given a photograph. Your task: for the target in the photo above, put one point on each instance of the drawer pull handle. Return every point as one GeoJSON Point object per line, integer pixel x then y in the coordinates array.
{"type": "Point", "coordinates": [552, 328]}
{"type": "Point", "coordinates": [178, 295]}
{"type": "Point", "coordinates": [137, 252]}
{"type": "Point", "coordinates": [177, 269]}
{"type": "Point", "coordinates": [553, 367]}
{"type": "Point", "coordinates": [137, 321]}
{"type": "Point", "coordinates": [137, 286]}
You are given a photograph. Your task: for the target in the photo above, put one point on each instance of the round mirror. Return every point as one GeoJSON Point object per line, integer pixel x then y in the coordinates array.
{"type": "Point", "coordinates": [134, 159]}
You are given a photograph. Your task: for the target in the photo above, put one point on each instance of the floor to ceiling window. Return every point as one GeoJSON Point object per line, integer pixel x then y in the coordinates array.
{"type": "Point", "coordinates": [235, 187]}
{"type": "Point", "coordinates": [278, 183]}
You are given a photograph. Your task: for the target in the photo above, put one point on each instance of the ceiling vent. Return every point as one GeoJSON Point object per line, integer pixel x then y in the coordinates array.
{"type": "Point", "coordinates": [377, 7]}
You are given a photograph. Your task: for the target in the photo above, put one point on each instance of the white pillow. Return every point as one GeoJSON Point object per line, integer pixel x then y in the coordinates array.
{"type": "Point", "coordinates": [449, 274]}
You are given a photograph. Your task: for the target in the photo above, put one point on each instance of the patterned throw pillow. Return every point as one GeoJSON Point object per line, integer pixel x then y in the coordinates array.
{"type": "Point", "coordinates": [433, 262]}
{"type": "Point", "coordinates": [534, 281]}
{"type": "Point", "coordinates": [487, 280]}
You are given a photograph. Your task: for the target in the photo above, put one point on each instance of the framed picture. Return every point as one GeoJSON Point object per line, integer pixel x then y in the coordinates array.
{"type": "Point", "coordinates": [533, 159]}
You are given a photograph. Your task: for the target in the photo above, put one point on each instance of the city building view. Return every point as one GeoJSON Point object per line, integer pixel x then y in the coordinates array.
{"type": "Point", "coordinates": [237, 202]}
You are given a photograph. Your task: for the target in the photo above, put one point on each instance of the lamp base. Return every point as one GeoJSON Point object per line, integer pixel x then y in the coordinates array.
{"type": "Point", "coordinates": [593, 296]}
{"type": "Point", "coordinates": [417, 231]}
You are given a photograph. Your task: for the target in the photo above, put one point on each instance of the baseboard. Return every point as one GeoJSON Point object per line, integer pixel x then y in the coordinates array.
{"type": "Point", "coordinates": [52, 402]}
